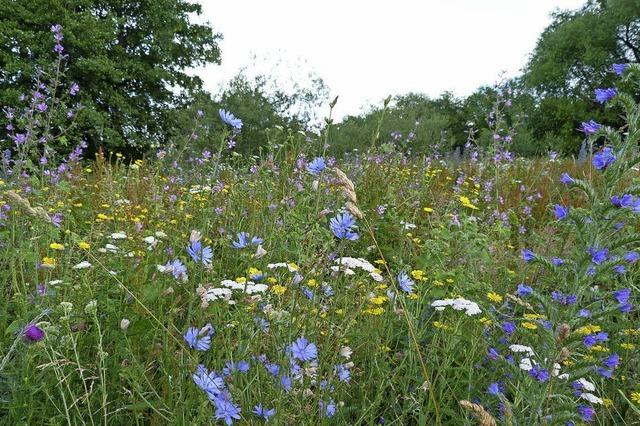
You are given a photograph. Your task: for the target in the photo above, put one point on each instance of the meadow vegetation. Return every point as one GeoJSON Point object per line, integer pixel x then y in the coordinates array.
{"type": "Point", "coordinates": [202, 283]}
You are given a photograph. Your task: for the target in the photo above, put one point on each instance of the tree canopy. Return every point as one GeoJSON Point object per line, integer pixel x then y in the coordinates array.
{"type": "Point", "coordinates": [130, 59]}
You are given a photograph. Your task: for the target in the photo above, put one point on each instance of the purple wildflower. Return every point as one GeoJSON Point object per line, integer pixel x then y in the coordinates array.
{"type": "Point", "coordinates": [32, 333]}
{"type": "Point", "coordinates": [605, 95]}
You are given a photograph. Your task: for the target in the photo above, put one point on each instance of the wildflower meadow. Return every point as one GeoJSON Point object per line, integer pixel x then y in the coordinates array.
{"type": "Point", "coordinates": [205, 286]}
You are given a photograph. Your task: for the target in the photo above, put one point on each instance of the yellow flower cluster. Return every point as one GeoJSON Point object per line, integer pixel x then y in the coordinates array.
{"type": "Point", "coordinates": [466, 202]}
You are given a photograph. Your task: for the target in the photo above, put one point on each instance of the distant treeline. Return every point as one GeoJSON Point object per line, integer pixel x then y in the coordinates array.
{"type": "Point", "coordinates": [129, 60]}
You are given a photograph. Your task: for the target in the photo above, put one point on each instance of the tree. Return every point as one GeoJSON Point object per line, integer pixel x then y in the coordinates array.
{"type": "Point", "coordinates": [128, 57]}
{"type": "Point", "coordinates": [572, 58]}
{"type": "Point", "coordinates": [574, 54]}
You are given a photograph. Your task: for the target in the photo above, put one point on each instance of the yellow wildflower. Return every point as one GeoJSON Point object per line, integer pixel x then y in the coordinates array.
{"type": "Point", "coordinates": [278, 289]}
{"type": "Point", "coordinates": [419, 275]}
{"type": "Point", "coordinates": [467, 202]}
{"type": "Point", "coordinates": [588, 329]}
{"type": "Point", "coordinates": [49, 262]}
{"type": "Point", "coordinates": [83, 245]}
{"type": "Point", "coordinates": [56, 246]}
{"type": "Point", "coordinates": [494, 297]}
{"type": "Point", "coordinates": [485, 321]}
{"type": "Point", "coordinates": [378, 300]}
{"type": "Point", "coordinates": [529, 325]}
{"type": "Point", "coordinates": [533, 317]}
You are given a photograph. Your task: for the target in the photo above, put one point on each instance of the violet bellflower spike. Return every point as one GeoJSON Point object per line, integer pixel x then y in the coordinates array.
{"type": "Point", "coordinates": [605, 95]}
{"type": "Point", "coordinates": [509, 328]}
{"type": "Point", "coordinates": [566, 179]}
{"type": "Point", "coordinates": [598, 256]}
{"type": "Point", "coordinates": [343, 226]}
{"type": "Point", "coordinates": [539, 373]}
{"type": "Point", "coordinates": [622, 296]}
{"type": "Point", "coordinates": [619, 69]}
{"type": "Point", "coordinates": [590, 127]}
{"type": "Point", "coordinates": [316, 166]}
{"type": "Point", "coordinates": [32, 333]}
{"type": "Point", "coordinates": [405, 283]}
{"type": "Point", "coordinates": [612, 361]}
{"type": "Point", "coordinates": [230, 119]}
{"type": "Point", "coordinates": [74, 89]}
{"type": "Point", "coordinates": [587, 412]}
{"type": "Point", "coordinates": [199, 339]}
{"type": "Point", "coordinates": [604, 158]}
{"type": "Point", "coordinates": [528, 255]}
{"type": "Point", "coordinates": [493, 389]}
{"type": "Point", "coordinates": [524, 290]}
{"type": "Point", "coordinates": [561, 212]}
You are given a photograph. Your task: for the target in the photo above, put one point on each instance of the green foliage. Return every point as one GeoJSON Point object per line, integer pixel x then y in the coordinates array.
{"type": "Point", "coordinates": [129, 58]}
{"type": "Point", "coordinates": [413, 123]}
{"type": "Point", "coordinates": [573, 57]}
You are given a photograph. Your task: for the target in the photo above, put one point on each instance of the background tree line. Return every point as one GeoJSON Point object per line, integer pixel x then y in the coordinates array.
{"type": "Point", "coordinates": [130, 59]}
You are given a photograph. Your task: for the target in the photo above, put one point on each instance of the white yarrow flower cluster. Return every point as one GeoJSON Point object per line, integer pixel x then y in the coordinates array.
{"type": "Point", "coordinates": [459, 304]}
{"type": "Point", "coordinates": [291, 267]}
{"type": "Point", "coordinates": [522, 349]}
{"type": "Point", "coordinates": [348, 264]}
{"type": "Point", "coordinates": [249, 287]}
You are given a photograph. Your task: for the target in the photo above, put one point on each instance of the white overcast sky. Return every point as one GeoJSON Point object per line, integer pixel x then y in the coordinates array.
{"type": "Point", "coordinates": [366, 50]}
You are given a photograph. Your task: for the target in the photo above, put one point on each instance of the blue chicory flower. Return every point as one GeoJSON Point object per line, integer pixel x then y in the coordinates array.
{"type": "Point", "coordinates": [199, 253]}
{"type": "Point", "coordinates": [316, 166]}
{"type": "Point", "coordinates": [266, 414]}
{"type": "Point", "coordinates": [226, 410]}
{"type": "Point", "coordinates": [343, 226]}
{"type": "Point", "coordinates": [230, 119]}
{"type": "Point", "coordinates": [303, 350]}
{"type": "Point", "coordinates": [405, 283]}
{"type": "Point", "coordinates": [199, 339]}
